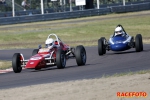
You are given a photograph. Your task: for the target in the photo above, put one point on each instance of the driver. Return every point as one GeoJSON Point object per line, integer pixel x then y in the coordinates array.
{"type": "Point", "coordinates": [50, 43]}
{"type": "Point", "coordinates": [119, 31]}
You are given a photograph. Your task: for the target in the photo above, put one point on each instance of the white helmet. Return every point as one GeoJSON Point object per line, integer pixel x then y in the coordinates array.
{"type": "Point", "coordinates": [49, 43]}
{"type": "Point", "coordinates": [118, 31]}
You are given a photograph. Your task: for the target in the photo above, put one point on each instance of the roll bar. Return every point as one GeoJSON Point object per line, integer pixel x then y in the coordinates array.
{"type": "Point", "coordinates": [58, 40]}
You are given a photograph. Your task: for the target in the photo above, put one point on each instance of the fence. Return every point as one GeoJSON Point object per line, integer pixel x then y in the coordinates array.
{"type": "Point", "coordinates": [56, 6]}
{"type": "Point", "coordinates": [131, 8]}
{"type": "Point", "coordinates": [74, 14]}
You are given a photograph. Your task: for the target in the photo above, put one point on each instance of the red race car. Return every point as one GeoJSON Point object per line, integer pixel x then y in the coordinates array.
{"type": "Point", "coordinates": [55, 53]}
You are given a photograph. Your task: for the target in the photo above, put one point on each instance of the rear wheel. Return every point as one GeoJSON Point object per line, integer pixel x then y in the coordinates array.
{"type": "Point", "coordinates": [80, 54]}
{"type": "Point", "coordinates": [16, 63]}
{"type": "Point", "coordinates": [60, 59]}
{"type": "Point", "coordinates": [138, 43]}
{"type": "Point", "coordinates": [101, 46]}
{"type": "Point", "coordinates": [35, 51]}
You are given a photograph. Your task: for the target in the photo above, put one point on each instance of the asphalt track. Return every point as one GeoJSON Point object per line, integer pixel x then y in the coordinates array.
{"type": "Point", "coordinates": [96, 67]}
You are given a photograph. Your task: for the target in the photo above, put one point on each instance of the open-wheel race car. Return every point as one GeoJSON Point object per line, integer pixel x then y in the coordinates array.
{"type": "Point", "coordinates": [55, 53]}
{"type": "Point", "coordinates": [120, 41]}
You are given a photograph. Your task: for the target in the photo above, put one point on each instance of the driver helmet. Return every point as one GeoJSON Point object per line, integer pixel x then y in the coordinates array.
{"type": "Point", "coordinates": [49, 43]}
{"type": "Point", "coordinates": [118, 31]}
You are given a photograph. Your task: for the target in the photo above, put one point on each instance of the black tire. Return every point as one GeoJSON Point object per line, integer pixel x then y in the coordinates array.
{"type": "Point", "coordinates": [60, 59]}
{"type": "Point", "coordinates": [16, 63]}
{"type": "Point", "coordinates": [35, 51]}
{"type": "Point", "coordinates": [104, 47]}
{"type": "Point", "coordinates": [138, 43]}
{"type": "Point", "coordinates": [80, 54]}
{"type": "Point", "coordinates": [101, 46]}
{"type": "Point", "coordinates": [141, 41]}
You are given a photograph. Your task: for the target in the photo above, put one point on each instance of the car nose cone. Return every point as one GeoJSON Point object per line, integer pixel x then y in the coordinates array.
{"type": "Point", "coordinates": [119, 47]}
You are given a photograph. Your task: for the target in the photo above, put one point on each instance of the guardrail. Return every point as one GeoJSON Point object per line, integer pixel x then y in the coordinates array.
{"type": "Point", "coordinates": [131, 8]}
{"type": "Point", "coordinates": [74, 14]}
{"type": "Point", "coordinates": [53, 16]}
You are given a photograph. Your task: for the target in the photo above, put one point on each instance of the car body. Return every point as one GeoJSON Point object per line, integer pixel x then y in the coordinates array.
{"type": "Point", "coordinates": [45, 57]}
{"type": "Point", "coordinates": [120, 43]}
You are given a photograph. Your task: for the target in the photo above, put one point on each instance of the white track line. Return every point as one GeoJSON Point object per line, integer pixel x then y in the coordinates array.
{"type": "Point", "coordinates": [7, 70]}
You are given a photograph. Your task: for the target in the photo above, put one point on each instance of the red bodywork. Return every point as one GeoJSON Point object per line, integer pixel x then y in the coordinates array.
{"type": "Point", "coordinates": [38, 61]}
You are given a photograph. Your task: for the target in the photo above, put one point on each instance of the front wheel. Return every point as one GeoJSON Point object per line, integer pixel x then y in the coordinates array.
{"type": "Point", "coordinates": [101, 46]}
{"type": "Point", "coordinates": [141, 40]}
{"type": "Point", "coordinates": [60, 59]}
{"type": "Point", "coordinates": [80, 54]}
{"type": "Point", "coordinates": [16, 63]}
{"type": "Point", "coordinates": [138, 43]}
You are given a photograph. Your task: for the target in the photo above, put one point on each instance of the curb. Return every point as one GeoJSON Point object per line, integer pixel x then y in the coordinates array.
{"type": "Point", "coordinates": [7, 70]}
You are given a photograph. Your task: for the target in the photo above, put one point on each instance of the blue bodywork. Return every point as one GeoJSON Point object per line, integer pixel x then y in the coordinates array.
{"type": "Point", "coordinates": [119, 43]}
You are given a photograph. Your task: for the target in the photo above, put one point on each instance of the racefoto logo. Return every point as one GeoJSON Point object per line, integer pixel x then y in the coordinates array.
{"type": "Point", "coordinates": [131, 94]}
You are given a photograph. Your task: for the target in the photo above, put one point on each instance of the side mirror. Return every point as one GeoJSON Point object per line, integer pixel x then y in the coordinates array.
{"type": "Point", "coordinates": [39, 47]}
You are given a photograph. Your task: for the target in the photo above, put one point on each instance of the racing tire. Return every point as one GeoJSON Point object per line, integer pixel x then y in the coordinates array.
{"type": "Point", "coordinates": [35, 51]}
{"type": "Point", "coordinates": [101, 46]}
{"type": "Point", "coordinates": [141, 41]}
{"type": "Point", "coordinates": [104, 48]}
{"type": "Point", "coordinates": [80, 54]}
{"type": "Point", "coordinates": [60, 59]}
{"type": "Point", "coordinates": [138, 43]}
{"type": "Point", "coordinates": [16, 63]}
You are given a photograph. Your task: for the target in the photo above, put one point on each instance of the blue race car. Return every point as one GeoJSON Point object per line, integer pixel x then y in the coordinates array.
{"type": "Point", "coordinates": [120, 41]}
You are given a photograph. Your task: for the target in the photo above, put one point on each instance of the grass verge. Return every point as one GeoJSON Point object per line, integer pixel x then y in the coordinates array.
{"type": "Point", "coordinates": [127, 73]}
{"type": "Point", "coordinates": [85, 31]}
{"type": "Point", "coordinates": [5, 64]}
